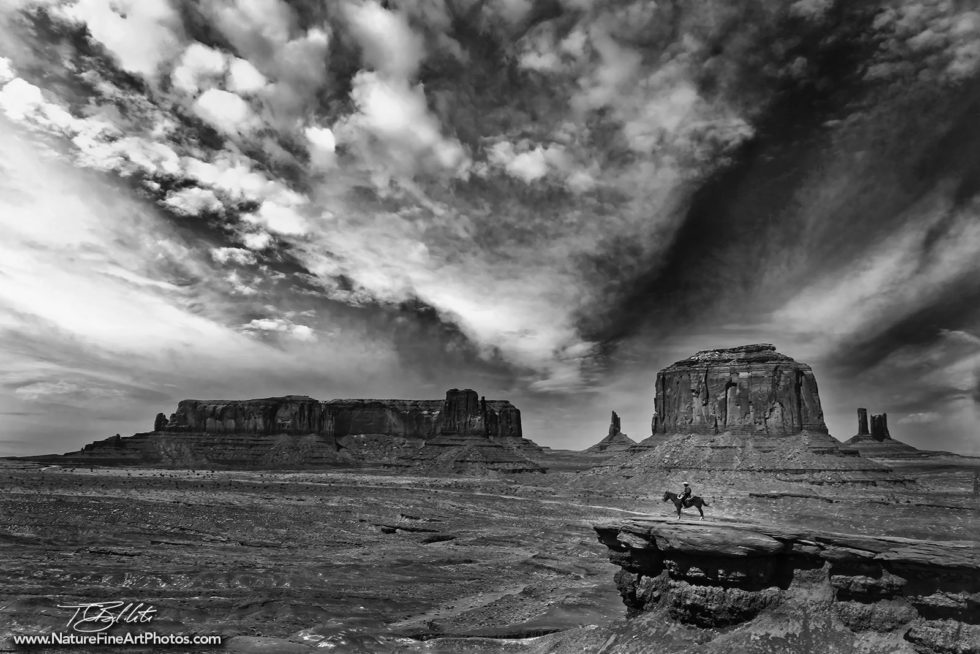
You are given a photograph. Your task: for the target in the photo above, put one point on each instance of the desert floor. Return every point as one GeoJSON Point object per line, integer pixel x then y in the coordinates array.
{"type": "Point", "coordinates": [375, 562]}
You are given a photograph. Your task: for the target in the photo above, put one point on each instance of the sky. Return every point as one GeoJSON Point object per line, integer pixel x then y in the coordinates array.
{"type": "Point", "coordinates": [544, 201]}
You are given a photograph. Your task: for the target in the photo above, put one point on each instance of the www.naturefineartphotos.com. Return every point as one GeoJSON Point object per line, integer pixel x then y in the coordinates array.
{"type": "Point", "coordinates": [313, 314]}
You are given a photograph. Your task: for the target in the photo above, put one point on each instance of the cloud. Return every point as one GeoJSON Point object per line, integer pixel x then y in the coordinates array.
{"type": "Point", "coordinates": [388, 43]}
{"type": "Point", "coordinates": [226, 111]}
{"type": "Point", "coordinates": [44, 390]}
{"type": "Point", "coordinates": [394, 132]}
{"type": "Point", "coordinates": [142, 34]}
{"type": "Point", "coordinates": [919, 418]}
{"type": "Point", "coordinates": [193, 201]}
{"type": "Point", "coordinates": [323, 147]}
{"type": "Point", "coordinates": [99, 287]}
{"type": "Point", "coordinates": [514, 11]}
{"type": "Point", "coordinates": [243, 77]}
{"type": "Point", "coordinates": [893, 279]}
{"type": "Point", "coordinates": [279, 219]}
{"type": "Point", "coordinates": [929, 41]}
{"type": "Point", "coordinates": [257, 240]}
{"type": "Point", "coordinates": [811, 9]}
{"type": "Point", "coordinates": [280, 326]}
{"type": "Point", "coordinates": [267, 34]}
{"type": "Point", "coordinates": [20, 99]}
{"type": "Point", "coordinates": [565, 189]}
{"type": "Point", "coordinates": [199, 67]}
{"type": "Point", "coordinates": [235, 255]}
{"type": "Point", "coordinates": [529, 165]}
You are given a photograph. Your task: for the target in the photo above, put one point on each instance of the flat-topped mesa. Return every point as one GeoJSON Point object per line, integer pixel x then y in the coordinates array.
{"type": "Point", "coordinates": [475, 435]}
{"type": "Point", "coordinates": [299, 431]}
{"type": "Point", "coordinates": [745, 409]}
{"type": "Point", "coordinates": [291, 414]}
{"type": "Point", "coordinates": [750, 389]}
{"type": "Point", "coordinates": [461, 413]}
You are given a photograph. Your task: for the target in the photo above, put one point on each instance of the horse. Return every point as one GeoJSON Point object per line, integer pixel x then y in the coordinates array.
{"type": "Point", "coordinates": [694, 501]}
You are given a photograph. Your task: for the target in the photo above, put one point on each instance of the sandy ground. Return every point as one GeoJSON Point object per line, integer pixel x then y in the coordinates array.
{"type": "Point", "coordinates": [363, 561]}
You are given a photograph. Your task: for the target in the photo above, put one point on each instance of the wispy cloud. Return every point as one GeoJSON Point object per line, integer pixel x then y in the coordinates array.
{"type": "Point", "coordinates": [548, 193]}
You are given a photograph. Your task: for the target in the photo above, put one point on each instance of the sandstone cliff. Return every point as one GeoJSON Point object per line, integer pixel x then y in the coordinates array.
{"type": "Point", "coordinates": [751, 389]}
{"type": "Point", "coordinates": [782, 590]}
{"type": "Point", "coordinates": [476, 436]}
{"type": "Point", "coordinates": [748, 409]}
{"type": "Point", "coordinates": [298, 431]}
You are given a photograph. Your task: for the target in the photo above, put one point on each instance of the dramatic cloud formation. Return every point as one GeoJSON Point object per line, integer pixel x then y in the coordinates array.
{"type": "Point", "coordinates": [546, 201]}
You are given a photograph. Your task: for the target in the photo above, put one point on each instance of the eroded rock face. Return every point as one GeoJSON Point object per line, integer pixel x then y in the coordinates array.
{"type": "Point", "coordinates": [877, 442]}
{"type": "Point", "coordinates": [476, 435]}
{"type": "Point", "coordinates": [299, 431]}
{"type": "Point", "coordinates": [912, 595]}
{"type": "Point", "coordinates": [462, 412]}
{"type": "Point", "coordinates": [863, 422]}
{"type": "Point", "coordinates": [746, 409]}
{"type": "Point", "coordinates": [879, 427]}
{"type": "Point", "coordinates": [615, 440]}
{"type": "Point", "coordinates": [751, 389]}
{"type": "Point", "coordinates": [160, 422]}
{"type": "Point", "coordinates": [292, 414]}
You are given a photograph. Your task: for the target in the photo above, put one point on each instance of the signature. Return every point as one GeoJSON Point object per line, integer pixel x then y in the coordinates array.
{"type": "Point", "coordinates": [94, 617]}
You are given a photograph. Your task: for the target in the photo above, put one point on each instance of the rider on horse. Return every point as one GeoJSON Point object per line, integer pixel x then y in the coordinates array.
{"type": "Point", "coordinates": [685, 494]}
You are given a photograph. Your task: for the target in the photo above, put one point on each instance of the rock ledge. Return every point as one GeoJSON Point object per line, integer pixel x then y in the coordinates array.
{"type": "Point", "coordinates": [911, 595]}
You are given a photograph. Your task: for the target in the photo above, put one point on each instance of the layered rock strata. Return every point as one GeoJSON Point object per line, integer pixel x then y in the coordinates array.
{"type": "Point", "coordinates": [614, 441]}
{"type": "Point", "coordinates": [750, 390]}
{"type": "Point", "coordinates": [475, 436]}
{"type": "Point", "coordinates": [297, 431]}
{"type": "Point", "coordinates": [777, 589]}
{"type": "Point", "coordinates": [746, 409]}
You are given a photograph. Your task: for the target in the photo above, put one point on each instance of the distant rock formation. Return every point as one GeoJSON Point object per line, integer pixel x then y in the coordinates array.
{"type": "Point", "coordinates": [615, 440]}
{"type": "Point", "coordinates": [470, 439]}
{"type": "Point", "coordinates": [831, 592]}
{"type": "Point", "coordinates": [750, 389]}
{"type": "Point", "coordinates": [746, 408]}
{"type": "Point", "coordinates": [299, 414]}
{"type": "Point", "coordinates": [879, 427]}
{"type": "Point", "coordinates": [877, 442]}
{"type": "Point", "coordinates": [299, 431]}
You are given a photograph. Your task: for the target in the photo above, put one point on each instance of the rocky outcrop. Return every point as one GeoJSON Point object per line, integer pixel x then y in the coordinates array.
{"type": "Point", "coordinates": [470, 439]}
{"type": "Point", "coordinates": [750, 390]}
{"type": "Point", "coordinates": [863, 423]}
{"type": "Point", "coordinates": [776, 590]}
{"type": "Point", "coordinates": [748, 409]}
{"type": "Point", "coordinates": [877, 442]}
{"type": "Point", "coordinates": [614, 441]}
{"type": "Point", "coordinates": [299, 431]}
{"type": "Point", "coordinates": [463, 414]}
{"type": "Point", "coordinates": [296, 414]}
{"type": "Point", "coordinates": [879, 427]}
